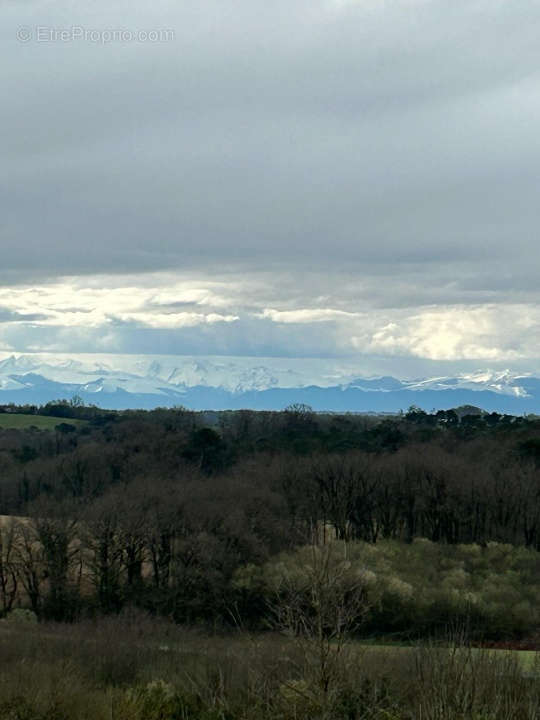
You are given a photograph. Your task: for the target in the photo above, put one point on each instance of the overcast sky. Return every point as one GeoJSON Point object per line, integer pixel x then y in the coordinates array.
{"type": "Point", "coordinates": [295, 178]}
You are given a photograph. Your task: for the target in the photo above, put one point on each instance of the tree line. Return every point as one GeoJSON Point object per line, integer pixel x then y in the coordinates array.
{"type": "Point", "coordinates": [160, 509]}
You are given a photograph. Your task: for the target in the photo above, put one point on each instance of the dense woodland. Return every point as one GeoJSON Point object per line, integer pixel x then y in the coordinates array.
{"type": "Point", "coordinates": [165, 510]}
{"type": "Point", "coordinates": [233, 565]}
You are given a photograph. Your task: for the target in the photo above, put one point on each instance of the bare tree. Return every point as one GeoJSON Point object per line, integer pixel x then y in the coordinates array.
{"type": "Point", "coordinates": [56, 530]}
{"type": "Point", "coordinates": [9, 581]}
{"type": "Point", "coordinates": [30, 563]}
{"type": "Point", "coordinates": [319, 603]}
{"type": "Point", "coordinates": [104, 551]}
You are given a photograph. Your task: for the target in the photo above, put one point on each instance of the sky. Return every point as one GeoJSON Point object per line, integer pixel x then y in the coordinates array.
{"type": "Point", "coordinates": [349, 179]}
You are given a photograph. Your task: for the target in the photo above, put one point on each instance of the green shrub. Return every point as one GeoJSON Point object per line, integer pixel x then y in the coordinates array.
{"type": "Point", "coordinates": [421, 588]}
{"type": "Point", "coordinates": [20, 615]}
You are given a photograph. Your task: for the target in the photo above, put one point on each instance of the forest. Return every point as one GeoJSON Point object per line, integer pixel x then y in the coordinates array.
{"type": "Point", "coordinates": [231, 531]}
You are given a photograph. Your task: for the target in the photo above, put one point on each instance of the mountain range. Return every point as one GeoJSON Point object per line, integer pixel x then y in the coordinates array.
{"type": "Point", "coordinates": [219, 383]}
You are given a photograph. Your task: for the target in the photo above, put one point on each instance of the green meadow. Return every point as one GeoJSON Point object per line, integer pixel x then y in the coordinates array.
{"type": "Point", "coordinates": [18, 421]}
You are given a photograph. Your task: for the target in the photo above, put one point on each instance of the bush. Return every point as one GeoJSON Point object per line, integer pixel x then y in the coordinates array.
{"type": "Point", "coordinates": [421, 588]}
{"type": "Point", "coordinates": [21, 615]}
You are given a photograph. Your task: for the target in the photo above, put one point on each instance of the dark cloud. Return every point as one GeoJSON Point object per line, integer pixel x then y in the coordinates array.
{"type": "Point", "coordinates": [361, 134]}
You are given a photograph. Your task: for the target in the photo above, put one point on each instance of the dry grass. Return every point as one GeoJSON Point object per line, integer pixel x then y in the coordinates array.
{"type": "Point", "coordinates": [136, 668]}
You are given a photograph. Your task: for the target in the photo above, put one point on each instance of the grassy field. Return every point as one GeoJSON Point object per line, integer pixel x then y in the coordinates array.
{"type": "Point", "coordinates": [529, 660]}
{"type": "Point", "coordinates": [137, 668]}
{"type": "Point", "coordinates": [17, 421]}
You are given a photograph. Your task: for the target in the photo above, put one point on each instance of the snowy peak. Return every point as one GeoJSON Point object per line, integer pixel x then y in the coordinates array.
{"type": "Point", "coordinates": [154, 373]}
{"type": "Point", "coordinates": [271, 383]}
{"type": "Point", "coordinates": [504, 382]}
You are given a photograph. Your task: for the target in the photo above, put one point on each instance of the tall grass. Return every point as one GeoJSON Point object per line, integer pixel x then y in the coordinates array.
{"type": "Point", "coordinates": [136, 668]}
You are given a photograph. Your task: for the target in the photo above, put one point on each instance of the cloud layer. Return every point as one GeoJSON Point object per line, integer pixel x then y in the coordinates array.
{"type": "Point", "coordinates": [170, 314]}
{"type": "Point", "coordinates": [349, 177]}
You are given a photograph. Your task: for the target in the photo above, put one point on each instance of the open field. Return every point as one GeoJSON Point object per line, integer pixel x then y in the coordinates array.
{"type": "Point", "coordinates": [529, 660]}
{"type": "Point", "coordinates": [18, 421]}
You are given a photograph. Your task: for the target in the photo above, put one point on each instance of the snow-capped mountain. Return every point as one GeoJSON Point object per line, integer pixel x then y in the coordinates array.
{"type": "Point", "coordinates": [122, 381]}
